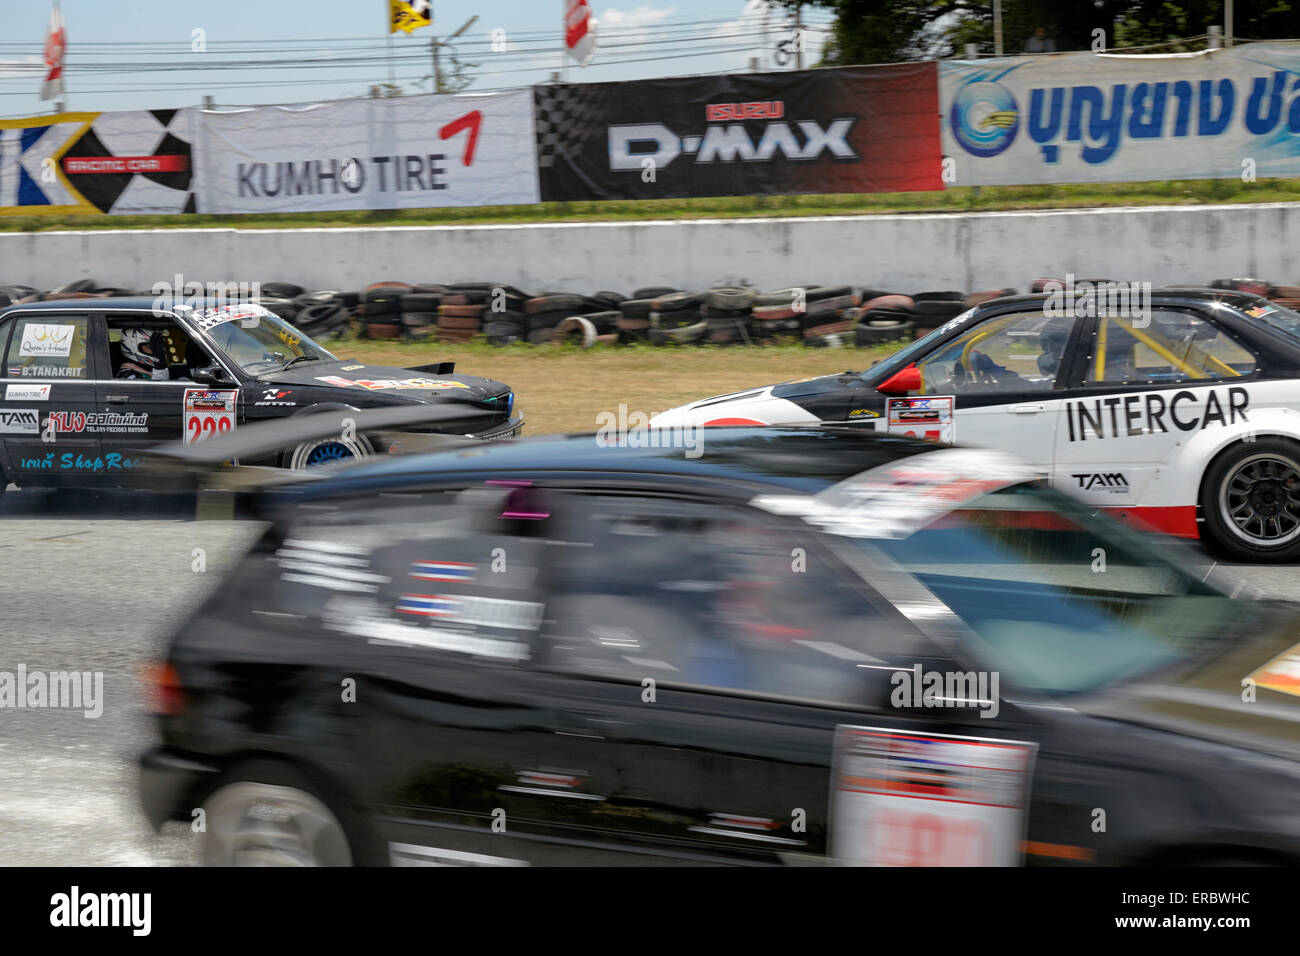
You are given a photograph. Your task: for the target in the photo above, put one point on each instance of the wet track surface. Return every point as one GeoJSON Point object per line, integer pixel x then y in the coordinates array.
{"type": "Point", "coordinates": [94, 584]}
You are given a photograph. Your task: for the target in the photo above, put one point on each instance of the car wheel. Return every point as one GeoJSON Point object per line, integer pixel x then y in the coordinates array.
{"type": "Point", "coordinates": [1250, 499]}
{"type": "Point", "coordinates": [327, 451]}
{"type": "Point", "coordinates": [268, 815]}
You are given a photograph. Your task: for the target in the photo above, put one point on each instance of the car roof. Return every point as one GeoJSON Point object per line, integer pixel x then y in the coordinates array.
{"type": "Point", "coordinates": [1230, 297]}
{"type": "Point", "coordinates": [126, 303]}
{"type": "Point", "coordinates": [797, 459]}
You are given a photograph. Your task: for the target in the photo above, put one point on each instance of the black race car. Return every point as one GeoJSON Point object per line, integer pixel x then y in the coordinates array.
{"type": "Point", "coordinates": [88, 384]}
{"type": "Point", "coordinates": [800, 646]}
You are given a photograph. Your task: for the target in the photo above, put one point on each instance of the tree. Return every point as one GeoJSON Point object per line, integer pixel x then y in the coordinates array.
{"type": "Point", "coordinates": [881, 31]}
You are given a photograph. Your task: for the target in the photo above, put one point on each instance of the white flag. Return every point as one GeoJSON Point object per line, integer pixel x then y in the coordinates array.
{"type": "Point", "coordinates": [579, 31]}
{"type": "Point", "coordinates": [56, 45]}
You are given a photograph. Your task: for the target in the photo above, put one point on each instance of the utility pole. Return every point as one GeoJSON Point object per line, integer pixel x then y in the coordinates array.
{"type": "Point", "coordinates": [1227, 23]}
{"type": "Point", "coordinates": [997, 27]}
{"type": "Point", "coordinates": [798, 37]}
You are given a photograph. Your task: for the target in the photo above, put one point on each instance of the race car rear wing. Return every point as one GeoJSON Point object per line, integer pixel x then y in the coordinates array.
{"type": "Point", "coordinates": [385, 426]}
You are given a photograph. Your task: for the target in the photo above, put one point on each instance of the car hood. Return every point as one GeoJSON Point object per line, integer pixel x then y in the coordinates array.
{"type": "Point", "coordinates": [1212, 700]}
{"type": "Point", "coordinates": [355, 378]}
{"type": "Point", "coordinates": [766, 405]}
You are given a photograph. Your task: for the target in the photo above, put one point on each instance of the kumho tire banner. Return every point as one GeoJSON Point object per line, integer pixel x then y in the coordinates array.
{"type": "Point", "coordinates": [1082, 117]}
{"type": "Point", "coordinates": [130, 162]}
{"type": "Point", "coordinates": [407, 152]}
{"type": "Point", "coordinates": [858, 129]}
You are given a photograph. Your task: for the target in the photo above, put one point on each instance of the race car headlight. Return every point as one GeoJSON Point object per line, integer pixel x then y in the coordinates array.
{"type": "Point", "coordinates": [510, 403]}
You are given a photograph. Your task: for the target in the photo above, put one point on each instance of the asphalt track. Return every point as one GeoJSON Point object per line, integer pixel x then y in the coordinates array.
{"type": "Point", "coordinates": [94, 583]}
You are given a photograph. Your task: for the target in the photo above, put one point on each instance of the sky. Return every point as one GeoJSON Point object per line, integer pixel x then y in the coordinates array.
{"type": "Point", "coordinates": [156, 54]}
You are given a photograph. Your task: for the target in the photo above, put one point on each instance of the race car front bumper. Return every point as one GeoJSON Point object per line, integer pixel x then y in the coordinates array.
{"type": "Point", "coordinates": [511, 428]}
{"type": "Point", "coordinates": [167, 780]}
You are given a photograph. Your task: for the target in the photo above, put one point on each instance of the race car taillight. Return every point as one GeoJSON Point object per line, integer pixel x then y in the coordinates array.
{"type": "Point", "coordinates": [162, 687]}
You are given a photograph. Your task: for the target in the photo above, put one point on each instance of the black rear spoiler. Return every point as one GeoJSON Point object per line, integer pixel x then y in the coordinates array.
{"type": "Point", "coordinates": [437, 368]}
{"type": "Point", "coordinates": [176, 459]}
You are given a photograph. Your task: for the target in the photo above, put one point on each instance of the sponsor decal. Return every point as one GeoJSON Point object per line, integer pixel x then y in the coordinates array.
{"type": "Point", "coordinates": [350, 368]}
{"type": "Point", "coordinates": [27, 393]}
{"type": "Point", "coordinates": [477, 611]}
{"type": "Point", "coordinates": [1260, 311]}
{"type": "Point", "coordinates": [921, 799]}
{"type": "Point", "coordinates": [728, 144]}
{"type": "Point", "coordinates": [128, 164]}
{"type": "Point", "coordinates": [763, 109]}
{"type": "Point", "coordinates": [1128, 416]}
{"type": "Point", "coordinates": [428, 384]}
{"type": "Point", "coordinates": [208, 413]}
{"type": "Point", "coordinates": [984, 118]}
{"type": "Point", "coordinates": [863, 413]}
{"type": "Point", "coordinates": [71, 461]}
{"type": "Point", "coordinates": [273, 396]}
{"type": "Point", "coordinates": [443, 571]}
{"type": "Point", "coordinates": [924, 416]}
{"type": "Point", "coordinates": [47, 341]}
{"type": "Point", "coordinates": [1112, 481]}
{"type": "Point", "coordinates": [45, 371]}
{"type": "Point", "coordinates": [247, 312]}
{"type": "Point", "coordinates": [20, 421]}
{"type": "Point", "coordinates": [78, 422]}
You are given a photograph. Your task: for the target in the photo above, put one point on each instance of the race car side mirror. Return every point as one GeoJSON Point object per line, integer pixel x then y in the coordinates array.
{"type": "Point", "coordinates": [211, 375]}
{"type": "Point", "coordinates": [901, 382]}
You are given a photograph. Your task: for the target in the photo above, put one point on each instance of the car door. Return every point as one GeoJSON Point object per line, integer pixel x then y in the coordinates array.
{"type": "Point", "coordinates": [1144, 386]}
{"type": "Point", "coordinates": [698, 661]}
{"type": "Point", "coordinates": [47, 424]}
{"type": "Point", "coordinates": [138, 412]}
{"type": "Point", "coordinates": [1005, 377]}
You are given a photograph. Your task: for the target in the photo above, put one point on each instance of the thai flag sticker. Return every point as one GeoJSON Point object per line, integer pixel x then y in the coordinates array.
{"type": "Point", "coordinates": [443, 571]}
{"type": "Point", "coordinates": [428, 605]}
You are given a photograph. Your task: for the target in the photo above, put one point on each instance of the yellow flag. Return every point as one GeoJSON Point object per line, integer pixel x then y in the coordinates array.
{"type": "Point", "coordinates": [408, 16]}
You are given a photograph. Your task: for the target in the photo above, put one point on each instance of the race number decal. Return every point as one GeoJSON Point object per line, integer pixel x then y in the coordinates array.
{"type": "Point", "coordinates": [208, 413]}
{"type": "Point", "coordinates": [925, 416]}
{"type": "Point", "coordinates": [917, 799]}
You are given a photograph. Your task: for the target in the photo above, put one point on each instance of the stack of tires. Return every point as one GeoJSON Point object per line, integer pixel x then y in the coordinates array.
{"type": "Point", "coordinates": [677, 318]}
{"type": "Point", "coordinates": [933, 309]}
{"type": "Point", "coordinates": [829, 316]}
{"type": "Point", "coordinates": [381, 309]}
{"type": "Point", "coordinates": [460, 312]}
{"type": "Point", "coordinates": [546, 312]}
{"type": "Point", "coordinates": [634, 313]}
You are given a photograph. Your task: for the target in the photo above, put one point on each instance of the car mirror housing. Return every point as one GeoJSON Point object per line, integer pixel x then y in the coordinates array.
{"type": "Point", "coordinates": [211, 375]}
{"type": "Point", "coordinates": [901, 382]}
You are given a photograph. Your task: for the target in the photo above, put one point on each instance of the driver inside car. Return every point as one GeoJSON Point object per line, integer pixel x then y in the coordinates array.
{"type": "Point", "coordinates": [144, 354]}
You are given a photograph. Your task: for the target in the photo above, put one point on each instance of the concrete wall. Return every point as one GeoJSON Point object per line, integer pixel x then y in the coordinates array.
{"type": "Point", "coordinates": [908, 253]}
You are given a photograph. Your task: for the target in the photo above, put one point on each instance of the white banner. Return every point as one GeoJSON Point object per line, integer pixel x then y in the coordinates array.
{"type": "Point", "coordinates": [1083, 117]}
{"type": "Point", "coordinates": [406, 152]}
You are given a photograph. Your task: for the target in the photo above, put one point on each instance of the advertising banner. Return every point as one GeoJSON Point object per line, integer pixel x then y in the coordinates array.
{"type": "Point", "coordinates": [131, 162]}
{"type": "Point", "coordinates": [407, 152]}
{"type": "Point", "coordinates": [859, 129]}
{"type": "Point", "coordinates": [1083, 117]}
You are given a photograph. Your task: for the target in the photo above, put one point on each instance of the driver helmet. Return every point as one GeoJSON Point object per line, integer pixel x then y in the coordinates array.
{"type": "Point", "coordinates": [146, 349]}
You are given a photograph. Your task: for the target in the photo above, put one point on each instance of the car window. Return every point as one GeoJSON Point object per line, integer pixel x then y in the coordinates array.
{"type": "Point", "coordinates": [1166, 346]}
{"type": "Point", "coordinates": [1021, 352]}
{"type": "Point", "coordinates": [431, 573]}
{"type": "Point", "coordinates": [50, 347]}
{"type": "Point", "coordinates": [178, 354]}
{"type": "Point", "coordinates": [256, 340]}
{"type": "Point", "coordinates": [706, 597]}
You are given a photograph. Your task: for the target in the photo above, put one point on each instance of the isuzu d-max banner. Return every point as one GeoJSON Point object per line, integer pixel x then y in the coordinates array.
{"type": "Point", "coordinates": [1083, 117]}
{"type": "Point", "coordinates": [859, 129]}
{"type": "Point", "coordinates": [134, 161]}
{"type": "Point", "coordinates": [407, 152]}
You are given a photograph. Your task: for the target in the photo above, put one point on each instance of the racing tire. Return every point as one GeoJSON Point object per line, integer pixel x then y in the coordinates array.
{"type": "Point", "coordinates": [636, 308]}
{"type": "Point", "coordinates": [80, 285]}
{"type": "Point", "coordinates": [903, 303]}
{"type": "Point", "coordinates": [781, 297]}
{"type": "Point", "coordinates": [382, 330]}
{"type": "Point", "coordinates": [281, 290]}
{"type": "Point", "coordinates": [324, 451]}
{"type": "Point", "coordinates": [730, 298]}
{"type": "Point", "coordinates": [576, 329]}
{"type": "Point", "coordinates": [880, 331]}
{"type": "Point", "coordinates": [678, 302]}
{"type": "Point", "coordinates": [267, 813]}
{"type": "Point", "coordinates": [949, 296]}
{"type": "Point", "coordinates": [1250, 500]}
{"type": "Point", "coordinates": [653, 291]}
{"type": "Point", "coordinates": [553, 303]}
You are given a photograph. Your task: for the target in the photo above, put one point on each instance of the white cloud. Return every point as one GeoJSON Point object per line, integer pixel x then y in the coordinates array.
{"type": "Point", "coordinates": [779, 25]}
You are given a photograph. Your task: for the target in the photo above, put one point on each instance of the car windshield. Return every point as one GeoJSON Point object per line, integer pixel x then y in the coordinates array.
{"type": "Point", "coordinates": [1276, 316]}
{"type": "Point", "coordinates": [1060, 601]}
{"type": "Point", "coordinates": [900, 359]}
{"type": "Point", "coordinates": [259, 341]}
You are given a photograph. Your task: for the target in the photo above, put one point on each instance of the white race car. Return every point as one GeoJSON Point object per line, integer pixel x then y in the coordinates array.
{"type": "Point", "coordinates": [1182, 416]}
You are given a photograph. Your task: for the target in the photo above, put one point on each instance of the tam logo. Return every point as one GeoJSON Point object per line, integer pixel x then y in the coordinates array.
{"type": "Point", "coordinates": [1092, 479]}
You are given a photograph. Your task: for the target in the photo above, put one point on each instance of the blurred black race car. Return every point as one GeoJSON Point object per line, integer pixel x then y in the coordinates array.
{"type": "Point", "coordinates": [800, 646]}
{"type": "Point", "coordinates": [90, 384]}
